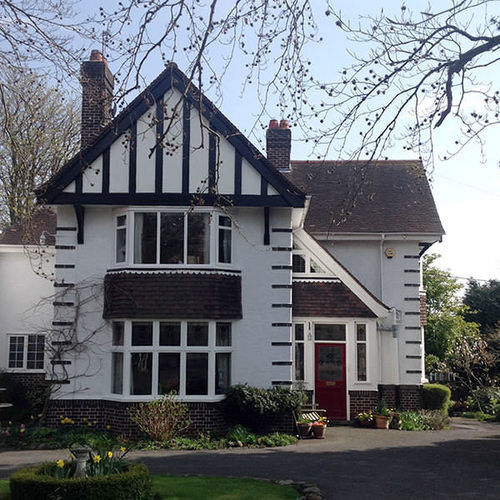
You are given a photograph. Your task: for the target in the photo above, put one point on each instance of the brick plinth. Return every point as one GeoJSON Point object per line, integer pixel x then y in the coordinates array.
{"type": "Point", "coordinates": [410, 397]}
{"type": "Point", "coordinates": [389, 394]}
{"type": "Point", "coordinates": [362, 401]}
{"type": "Point", "coordinates": [113, 416]}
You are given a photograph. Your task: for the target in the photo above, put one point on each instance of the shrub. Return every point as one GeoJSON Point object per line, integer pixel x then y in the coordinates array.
{"type": "Point", "coordinates": [242, 434]}
{"type": "Point", "coordinates": [162, 419]}
{"type": "Point", "coordinates": [437, 397]}
{"type": "Point", "coordinates": [484, 399]}
{"type": "Point", "coordinates": [276, 401]}
{"type": "Point", "coordinates": [276, 439]}
{"type": "Point", "coordinates": [134, 483]}
{"type": "Point", "coordinates": [423, 420]}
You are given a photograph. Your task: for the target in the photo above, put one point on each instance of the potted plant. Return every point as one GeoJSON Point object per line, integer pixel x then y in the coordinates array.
{"type": "Point", "coordinates": [395, 420]}
{"type": "Point", "coordinates": [304, 427]}
{"type": "Point", "coordinates": [319, 428]}
{"type": "Point", "coordinates": [382, 417]}
{"type": "Point", "coordinates": [366, 419]}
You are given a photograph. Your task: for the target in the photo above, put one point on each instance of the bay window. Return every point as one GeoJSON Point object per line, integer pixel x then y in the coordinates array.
{"type": "Point", "coordinates": [174, 237]}
{"type": "Point", "coordinates": [151, 358]}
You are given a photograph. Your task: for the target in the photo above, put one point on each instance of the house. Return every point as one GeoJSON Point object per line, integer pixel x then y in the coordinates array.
{"type": "Point", "coordinates": [187, 261]}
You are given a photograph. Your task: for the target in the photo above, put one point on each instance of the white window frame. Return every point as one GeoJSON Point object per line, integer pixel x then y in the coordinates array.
{"type": "Point", "coordinates": [213, 241]}
{"type": "Point", "coordinates": [24, 368]}
{"type": "Point", "coordinates": [183, 349]}
{"type": "Point", "coordinates": [307, 256]}
{"type": "Point", "coordinates": [303, 343]}
{"type": "Point", "coordinates": [224, 228]}
{"type": "Point", "coordinates": [356, 343]}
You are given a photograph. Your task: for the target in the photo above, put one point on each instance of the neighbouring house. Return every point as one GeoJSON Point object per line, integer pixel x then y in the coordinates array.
{"type": "Point", "coordinates": [188, 261]}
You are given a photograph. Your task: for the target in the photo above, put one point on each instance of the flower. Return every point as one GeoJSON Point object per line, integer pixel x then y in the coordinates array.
{"type": "Point", "coordinates": [108, 427]}
{"type": "Point", "coordinates": [96, 459]}
{"type": "Point", "coordinates": [123, 449]}
{"type": "Point", "coordinates": [10, 422]}
{"type": "Point", "coordinates": [60, 463]}
{"type": "Point", "coordinates": [110, 454]}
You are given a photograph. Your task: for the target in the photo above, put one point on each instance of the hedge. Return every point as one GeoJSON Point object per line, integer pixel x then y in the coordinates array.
{"type": "Point", "coordinates": [134, 484]}
{"type": "Point", "coordinates": [436, 397]}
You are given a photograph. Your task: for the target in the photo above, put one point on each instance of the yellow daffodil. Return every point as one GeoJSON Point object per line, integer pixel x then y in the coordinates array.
{"type": "Point", "coordinates": [110, 454]}
{"type": "Point", "coordinates": [60, 463]}
{"type": "Point", "coordinates": [108, 427]}
{"type": "Point", "coordinates": [123, 449]}
{"type": "Point", "coordinates": [97, 459]}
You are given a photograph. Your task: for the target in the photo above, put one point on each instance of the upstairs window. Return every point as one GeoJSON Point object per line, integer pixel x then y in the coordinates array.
{"type": "Point", "coordinates": [224, 239]}
{"type": "Point", "coordinates": [303, 263]}
{"type": "Point", "coordinates": [171, 238]}
{"type": "Point", "coordinates": [121, 238]}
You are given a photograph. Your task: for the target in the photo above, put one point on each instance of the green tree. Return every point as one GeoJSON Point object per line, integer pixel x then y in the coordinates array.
{"type": "Point", "coordinates": [39, 132]}
{"type": "Point", "coordinates": [484, 304]}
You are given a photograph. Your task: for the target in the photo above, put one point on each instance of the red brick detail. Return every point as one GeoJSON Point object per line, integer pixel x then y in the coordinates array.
{"type": "Point", "coordinates": [176, 295]}
{"type": "Point", "coordinates": [114, 416]}
{"type": "Point", "coordinates": [97, 95]}
{"type": "Point", "coordinates": [278, 147]}
{"type": "Point", "coordinates": [423, 309]}
{"type": "Point", "coordinates": [329, 299]}
{"type": "Point", "coordinates": [410, 397]}
{"type": "Point", "coordinates": [362, 401]}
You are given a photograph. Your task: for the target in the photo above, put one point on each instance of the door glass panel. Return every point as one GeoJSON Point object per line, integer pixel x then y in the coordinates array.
{"type": "Point", "coordinates": [330, 362]}
{"type": "Point", "coordinates": [330, 332]}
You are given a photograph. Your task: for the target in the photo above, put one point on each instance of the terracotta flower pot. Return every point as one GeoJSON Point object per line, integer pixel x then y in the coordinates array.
{"type": "Point", "coordinates": [382, 422]}
{"type": "Point", "coordinates": [304, 430]}
{"type": "Point", "coordinates": [319, 431]}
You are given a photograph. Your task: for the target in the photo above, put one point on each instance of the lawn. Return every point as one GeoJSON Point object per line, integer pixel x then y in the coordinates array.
{"type": "Point", "coordinates": [209, 488]}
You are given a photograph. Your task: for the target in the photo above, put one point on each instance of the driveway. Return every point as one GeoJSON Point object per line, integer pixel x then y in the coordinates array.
{"type": "Point", "coordinates": [463, 462]}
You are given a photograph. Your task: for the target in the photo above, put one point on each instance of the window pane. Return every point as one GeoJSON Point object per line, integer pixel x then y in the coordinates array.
{"type": "Point", "coordinates": [299, 331]}
{"type": "Point", "coordinates": [117, 373]}
{"type": "Point", "coordinates": [196, 373]}
{"type": "Point", "coordinates": [224, 246]}
{"type": "Point", "coordinates": [299, 361]}
{"type": "Point", "coordinates": [329, 332]}
{"type": "Point", "coordinates": [170, 333]}
{"type": "Point", "coordinates": [142, 333]}
{"type": "Point", "coordinates": [118, 333]}
{"type": "Point", "coordinates": [141, 372]}
{"type": "Point", "coordinates": [298, 264]}
{"type": "Point", "coordinates": [361, 332]}
{"type": "Point", "coordinates": [197, 334]}
{"type": "Point", "coordinates": [145, 238]}
{"type": "Point", "coordinates": [172, 239]}
{"type": "Point", "coordinates": [121, 220]}
{"type": "Point", "coordinates": [35, 354]}
{"type": "Point", "coordinates": [121, 244]}
{"type": "Point", "coordinates": [330, 363]}
{"type": "Point", "coordinates": [223, 334]}
{"type": "Point", "coordinates": [16, 352]}
{"type": "Point", "coordinates": [222, 372]}
{"type": "Point", "coordinates": [168, 372]}
{"type": "Point", "coordinates": [224, 221]}
{"type": "Point", "coordinates": [361, 355]}
{"type": "Point", "coordinates": [316, 268]}
{"type": "Point", "coordinates": [198, 239]}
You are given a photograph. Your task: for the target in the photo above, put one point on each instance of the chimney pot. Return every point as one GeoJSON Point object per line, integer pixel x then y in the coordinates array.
{"type": "Point", "coordinates": [273, 123]}
{"type": "Point", "coordinates": [284, 124]}
{"type": "Point", "coordinates": [96, 55]}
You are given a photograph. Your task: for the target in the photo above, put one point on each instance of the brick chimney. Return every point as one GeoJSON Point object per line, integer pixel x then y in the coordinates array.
{"type": "Point", "coordinates": [97, 95]}
{"type": "Point", "coordinates": [278, 144]}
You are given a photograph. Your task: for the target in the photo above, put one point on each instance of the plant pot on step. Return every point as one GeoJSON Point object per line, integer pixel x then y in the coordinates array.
{"type": "Point", "coordinates": [382, 422]}
{"type": "Point", "coordinates": [304, 430]}
{"type": "Point", "coordinates": [319, 431]}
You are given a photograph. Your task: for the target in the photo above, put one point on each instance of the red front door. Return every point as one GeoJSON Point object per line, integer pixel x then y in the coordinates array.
{"type": "Point", "coordinates": [330, 380]}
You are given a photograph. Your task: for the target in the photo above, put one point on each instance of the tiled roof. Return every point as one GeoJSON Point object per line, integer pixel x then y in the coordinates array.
{"type": "Point", "coordinates": [42, 222]}
{"type": "Point", "coordinates": [380, 196]}
{"type": "Point", "coordinates": [176, 295]}
{"type": "Point", "coordinates": [327, 299]}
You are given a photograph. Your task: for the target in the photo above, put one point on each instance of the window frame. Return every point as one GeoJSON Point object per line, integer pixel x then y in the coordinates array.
{"type": "Point", "coordinates": [356, 344]}
{"type": "Point", "coordinates": [308, 257]}
{"type": "Point", "coordinates": [156, 349]}
{"type": "Point", "coordinates": [213, 245]}
{"type": "Point", "coordinates": [24, 367]}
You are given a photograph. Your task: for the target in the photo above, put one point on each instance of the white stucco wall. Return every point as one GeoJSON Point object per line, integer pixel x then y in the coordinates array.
{"type": "Point", "coordinates": [252, 353]}
{"type": "Point", "coordinates": [23, 309]}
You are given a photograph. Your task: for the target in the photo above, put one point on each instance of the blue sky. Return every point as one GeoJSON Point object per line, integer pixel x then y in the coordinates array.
{"type": "Point", "coordinates": [466, 190]}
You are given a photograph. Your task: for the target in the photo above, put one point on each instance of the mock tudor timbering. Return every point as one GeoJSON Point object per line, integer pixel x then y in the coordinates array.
{"type": "Point", "coordinates": [172, 295]}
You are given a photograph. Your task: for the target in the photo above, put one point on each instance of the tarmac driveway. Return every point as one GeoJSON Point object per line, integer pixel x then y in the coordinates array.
{"type": "Point", "coordinates": [463, 462]}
